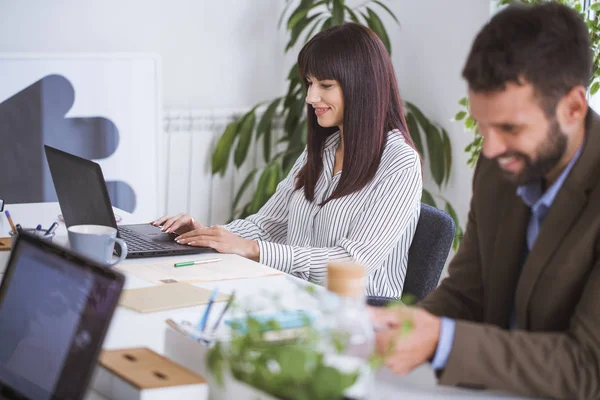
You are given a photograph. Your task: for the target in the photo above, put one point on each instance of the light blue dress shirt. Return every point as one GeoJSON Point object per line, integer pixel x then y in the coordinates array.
{"type": "Point", "coordinates": [540, 203]}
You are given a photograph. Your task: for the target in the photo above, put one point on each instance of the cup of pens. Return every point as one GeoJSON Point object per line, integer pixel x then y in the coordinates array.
{"type": "Point", "coordinates": [45, 234]}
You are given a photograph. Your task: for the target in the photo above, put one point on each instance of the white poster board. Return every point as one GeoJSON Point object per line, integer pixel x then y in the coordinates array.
{"type": "Point", "coordinates": [121, 91]}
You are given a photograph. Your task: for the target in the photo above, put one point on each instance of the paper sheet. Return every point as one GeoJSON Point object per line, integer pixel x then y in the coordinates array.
{"type": "Point", "coordinates": [166, 297]}
{"type": "Point", "coordinates": [165, 272]}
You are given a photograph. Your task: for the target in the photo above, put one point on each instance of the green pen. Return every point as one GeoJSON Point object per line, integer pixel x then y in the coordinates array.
{"type": "Point", "coordinates": [188, 263]}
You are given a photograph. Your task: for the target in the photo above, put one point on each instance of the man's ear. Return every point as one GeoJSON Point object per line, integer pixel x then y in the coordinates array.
{"type": "Point", "coordinates": [572, 109]}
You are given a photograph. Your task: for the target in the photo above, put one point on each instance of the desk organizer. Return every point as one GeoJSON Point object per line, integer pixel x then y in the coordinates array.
{"type": "Point", "coordinates": [192, 354]}
{"type": "Point", "coordinates": [141, 374]}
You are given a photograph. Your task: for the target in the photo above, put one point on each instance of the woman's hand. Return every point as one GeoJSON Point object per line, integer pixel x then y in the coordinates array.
{"type": "Point", "coordinates": [180, 223]}
{"type": "Point", "coordinates": [222, 241]}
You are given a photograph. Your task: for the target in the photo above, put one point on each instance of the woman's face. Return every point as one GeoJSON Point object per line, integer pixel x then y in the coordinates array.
{"type": "Point", "coordinates": [327, 99]}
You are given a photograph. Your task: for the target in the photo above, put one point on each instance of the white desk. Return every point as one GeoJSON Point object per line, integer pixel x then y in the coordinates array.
{"type": "Point", "coordinates": [131, 329]}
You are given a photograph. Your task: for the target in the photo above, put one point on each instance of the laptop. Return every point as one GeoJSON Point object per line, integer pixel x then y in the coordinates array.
{"type": "Point", "coordinates": [55, 309]}
{"type": "Point", "coordinates": [84, 200]}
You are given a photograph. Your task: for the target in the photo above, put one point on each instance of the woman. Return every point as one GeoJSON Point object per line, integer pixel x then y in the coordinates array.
{"type": "Point", "coordinates": [354, 194]}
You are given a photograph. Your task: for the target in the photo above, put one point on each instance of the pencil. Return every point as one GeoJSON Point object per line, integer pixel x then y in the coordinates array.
{"type": "Point", "coordinates": [10, 221]}
{"type": "Point", "coordinates": [216, 325]}
{"type": "Point", "coordinates": [202, 324]}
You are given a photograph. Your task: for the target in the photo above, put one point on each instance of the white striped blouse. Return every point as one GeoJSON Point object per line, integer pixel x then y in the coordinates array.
{"type": "Point", "coordinates": [373, 227]}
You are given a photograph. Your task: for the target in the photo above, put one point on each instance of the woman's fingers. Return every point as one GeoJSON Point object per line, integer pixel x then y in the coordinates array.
{"type": "Point", "coordinates": [209, 231]}
{"type": "Point", "coordinates": [160, 221]}
{"type": "Point", "coordinates": [166, 227]}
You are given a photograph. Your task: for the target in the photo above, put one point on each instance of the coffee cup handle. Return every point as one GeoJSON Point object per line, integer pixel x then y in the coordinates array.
{"type": "Point", "coordinates": [123, 247]}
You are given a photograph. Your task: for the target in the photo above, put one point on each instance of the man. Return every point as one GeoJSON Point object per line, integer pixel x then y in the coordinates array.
{"type": "Point", "coordinates": [520, 310]}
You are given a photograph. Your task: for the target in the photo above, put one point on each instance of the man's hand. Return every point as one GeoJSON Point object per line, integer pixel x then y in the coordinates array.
{"type": "Point", "coordinates": [408, 336]}
{"type": "Point", "coordinates": [222, 241]}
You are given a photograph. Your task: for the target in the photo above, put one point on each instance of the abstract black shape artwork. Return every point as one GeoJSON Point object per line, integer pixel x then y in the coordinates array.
{"type": "Point", "coordinates": [36, 116]}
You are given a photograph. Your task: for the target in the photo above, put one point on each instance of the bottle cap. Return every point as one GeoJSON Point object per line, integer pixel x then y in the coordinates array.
{"type": "Point", "coordinates": [346, 279]}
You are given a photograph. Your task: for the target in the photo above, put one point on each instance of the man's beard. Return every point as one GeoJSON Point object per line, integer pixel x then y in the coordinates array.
{"type": "Point", "coordinates": [547, 157]}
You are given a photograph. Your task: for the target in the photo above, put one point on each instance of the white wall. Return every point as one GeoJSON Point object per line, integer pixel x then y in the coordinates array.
{"type": "Point", "coordinates": [228, 53]}
{"type": "Point", "coordinates": [429, 50]}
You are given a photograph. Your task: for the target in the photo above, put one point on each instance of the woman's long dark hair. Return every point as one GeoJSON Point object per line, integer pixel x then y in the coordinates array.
{"type": "Point", "coordinates": [354, 56]}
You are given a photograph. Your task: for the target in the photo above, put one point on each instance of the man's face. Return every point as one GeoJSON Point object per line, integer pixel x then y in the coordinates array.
{"type": "Point", "coordinates": [517, 133]}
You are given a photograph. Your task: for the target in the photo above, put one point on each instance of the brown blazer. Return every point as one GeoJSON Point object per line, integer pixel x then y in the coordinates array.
{"type": "Point", "coordinates": [556, 352]}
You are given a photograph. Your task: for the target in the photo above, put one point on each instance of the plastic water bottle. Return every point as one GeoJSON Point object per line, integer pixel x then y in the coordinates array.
{"type": "Point", "coordinates": [351, 337]}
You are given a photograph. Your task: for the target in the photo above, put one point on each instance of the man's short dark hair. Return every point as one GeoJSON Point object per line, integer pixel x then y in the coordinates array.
{"type": "Point", "coordinates": [547, 45]}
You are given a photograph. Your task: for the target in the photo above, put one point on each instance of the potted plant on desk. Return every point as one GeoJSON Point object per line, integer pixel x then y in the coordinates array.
{"type": "Point", "coordinates": [279, 363]}
{"type": "Point", "coordinates": [266, 360]}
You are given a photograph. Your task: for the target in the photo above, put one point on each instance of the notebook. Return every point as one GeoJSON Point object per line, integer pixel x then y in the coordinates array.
{"type": "Point", "coordinates": [166, 297]}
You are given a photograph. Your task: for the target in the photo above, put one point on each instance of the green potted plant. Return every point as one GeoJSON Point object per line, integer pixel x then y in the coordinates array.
{"type": "Point", "coordinates": [590, 12]}
{"type": "Point", "coordinates": [260, 123]}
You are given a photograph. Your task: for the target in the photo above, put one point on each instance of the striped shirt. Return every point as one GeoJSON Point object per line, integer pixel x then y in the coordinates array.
{"type": "Point", "coordinates": [373, 227]}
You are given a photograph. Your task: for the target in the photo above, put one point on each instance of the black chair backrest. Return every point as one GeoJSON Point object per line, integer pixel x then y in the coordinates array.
{"type": "Point", "coordinates": [428, 251]}
{"type": "Point", "coordinates": [427, 255]}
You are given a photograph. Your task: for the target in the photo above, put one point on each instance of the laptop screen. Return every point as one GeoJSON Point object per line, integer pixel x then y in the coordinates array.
{"type": "Point", "coordinates": [54, 312]}
{"type": "Point", "coordinates": [81, 190]}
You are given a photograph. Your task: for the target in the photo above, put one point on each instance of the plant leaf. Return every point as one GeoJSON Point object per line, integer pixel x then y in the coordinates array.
{"type": "Point", "coordinates": [337, 14]}
{"type": "Point", "coordinates": [298, 14]}
{"type": "Point", "coordinates": [245, 137]}
{"type": "Point", "coordinates": [464, 102]}
{"type": "Point", "coordinates": [309, 35]}
{"type": "Point", "coordinates": [458, 232]}
{"type": "Point", "coordinates": [267, 145]}
{"type": "Point", "coordinates": [380, 4]}
{"type": "Point", "coordinates": [460, 115]}
{"type": "Point", "coordinates": [242, 189]}
{"type": "Point", "coordinates": [221, 153]}
{"type": "Point", "coordinates": [297, 30]}
{"type": "Point", "coordinates": [260, 194]}
{"type": "Point", "coordinates": [596, 84]}
{"type": "Point", "coordinates": [427, 198]}
{"type": "Point", "coordinates": [274, 178]}
{"type": "Point", "coordinates": [265, 121]}
{"type": "Point", "coordinates": [415, 134]}
{"type": "Point", "coordinates": [287, 6]}
{"type": "Point", "coordinates": [436, 154]}
{"type": "Point", "coordinates": [352, 14]}
{"type": "Point", "coordinates": [326, 24]}
{"type": "Point", "coordinates": [470, 123]}
{"type": "Point", "coordinates": [447, 147]}
{"type": "Point", "coordinates": [377, 26]}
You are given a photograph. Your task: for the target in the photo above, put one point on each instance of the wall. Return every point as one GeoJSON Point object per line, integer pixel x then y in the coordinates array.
{"type": "Point", "coordinates": [227, 53]}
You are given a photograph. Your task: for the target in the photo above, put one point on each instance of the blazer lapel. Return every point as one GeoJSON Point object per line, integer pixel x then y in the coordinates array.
{"type": "Point", "coordinates": [564, 212]}
{"type": "Point", "coordinates": [508, 255]}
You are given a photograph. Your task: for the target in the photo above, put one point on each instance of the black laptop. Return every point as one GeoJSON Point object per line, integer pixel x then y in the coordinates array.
{"type": "Point", "coordinates": [55, 309]}
{"type": "Point", "coordinates": [84, 200]}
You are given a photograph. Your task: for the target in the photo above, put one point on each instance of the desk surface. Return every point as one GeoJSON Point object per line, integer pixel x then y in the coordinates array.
{"type": "Point", "coordinates": [131, 329]}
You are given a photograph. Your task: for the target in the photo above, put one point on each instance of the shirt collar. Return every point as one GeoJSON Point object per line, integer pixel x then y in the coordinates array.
{"type": "Point", "coordinates": [532, 194]}
{"type": "Point", "coordinates": [332, 141]}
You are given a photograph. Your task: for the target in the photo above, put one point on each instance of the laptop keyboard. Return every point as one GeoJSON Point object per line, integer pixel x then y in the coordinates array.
{"type": "Point", "coordinates": [137, 242]}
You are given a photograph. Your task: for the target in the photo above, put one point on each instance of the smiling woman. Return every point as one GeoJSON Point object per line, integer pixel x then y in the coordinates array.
{"type": "Point", "coordinates": [355, 192]}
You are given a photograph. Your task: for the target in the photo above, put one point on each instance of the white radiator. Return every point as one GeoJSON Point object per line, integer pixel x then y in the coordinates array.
{"type": "Point", "coordinates": [190, 137]}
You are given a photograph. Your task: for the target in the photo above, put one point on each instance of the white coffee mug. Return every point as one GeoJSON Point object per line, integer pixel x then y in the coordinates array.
{"type": "Point", "coordinates": [96, 242]}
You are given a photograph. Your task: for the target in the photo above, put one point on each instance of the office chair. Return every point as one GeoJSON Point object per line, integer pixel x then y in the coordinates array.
{"type": "Point", "coordinates": [426, 256]}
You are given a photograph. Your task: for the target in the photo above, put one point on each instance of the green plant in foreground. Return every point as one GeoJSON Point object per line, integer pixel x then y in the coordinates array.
{"type": "Point", "coordinates": [292, 369]}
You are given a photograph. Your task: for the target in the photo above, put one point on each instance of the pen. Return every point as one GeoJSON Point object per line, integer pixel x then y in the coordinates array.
{"type": "Point", "coordinates": [202, 324]}
{"type": "Point", "coordinates": [10, 221]}
{"type": "Point", "coordinates": [51, 229]}
{"type": "Point", "coordinates": [188, 263]}
{"type": "Point", "coordinates": [216, 325]}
